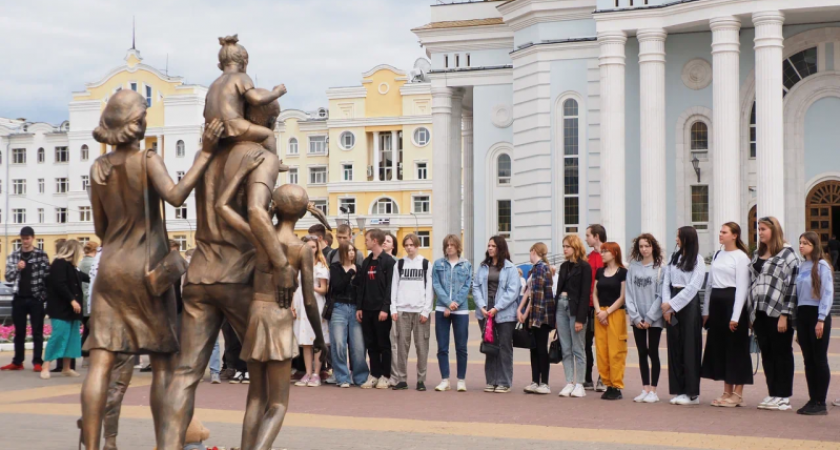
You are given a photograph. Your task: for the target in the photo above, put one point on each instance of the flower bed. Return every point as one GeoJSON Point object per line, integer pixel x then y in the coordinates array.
{"type": "Point", "coordinates": [7, 333]}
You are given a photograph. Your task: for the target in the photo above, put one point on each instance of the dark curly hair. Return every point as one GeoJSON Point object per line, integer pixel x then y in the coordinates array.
{"type": "Point", "coordinates": [636, 254]}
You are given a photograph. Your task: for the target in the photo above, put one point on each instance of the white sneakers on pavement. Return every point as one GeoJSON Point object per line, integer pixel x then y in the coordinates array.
{"type": "Point", "coordinates": [531, 388]}
{"type": "Point", "coordinates": [641, 397]}
{"type": "Point", "coordinates": [775, 404]}
{"type": "Point", "coordinates": [578, 391]}
{"type": "Point", "coordinates": [684, 400]}
{"type": "Point", "coordinates": [567, 391]}
{"type": "Point", "coordinates": [370, 383]}
{"type": "Point", "coordinates": [543, 389]}
{"type": "Point", "coordinates": [651, 397]}
{"type": "Point", "coordinates": [443, 386]}
{"type": "Point", "coordinates": [382, 383]}
{"type": "Point", "coordinates": [599, 386]}
{"type": "Point", "coordinates": [462, 385]}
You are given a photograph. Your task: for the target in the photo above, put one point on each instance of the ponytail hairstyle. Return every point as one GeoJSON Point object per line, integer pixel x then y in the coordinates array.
{"type": "Point", "coordinates": [817, 255]}
{"type": "Point", "coordinates": [232, 52]}
{"type": "Point", "coordinates": [542, 251]}
{"type": "Point", "coordinates": [736, 230]}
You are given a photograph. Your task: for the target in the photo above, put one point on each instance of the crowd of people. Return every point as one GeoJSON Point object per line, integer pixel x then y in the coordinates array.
{"type": "Point", "coordinates": [381, 305]}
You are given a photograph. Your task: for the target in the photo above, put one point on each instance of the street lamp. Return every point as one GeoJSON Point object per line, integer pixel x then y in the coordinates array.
{"type": "Point", "coordinates": [361, 222]}
{"type": "Point", "coordinates": [696, 163]}
{"type": "Point", "coordinates": [416, 223]}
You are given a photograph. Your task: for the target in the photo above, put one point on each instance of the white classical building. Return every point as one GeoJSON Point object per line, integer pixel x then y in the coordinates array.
{"type": "Point", "coordinates": [642, 115]}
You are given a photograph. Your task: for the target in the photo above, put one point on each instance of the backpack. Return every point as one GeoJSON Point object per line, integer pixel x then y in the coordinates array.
{"type": "Point", "coordinates": [401, 263]}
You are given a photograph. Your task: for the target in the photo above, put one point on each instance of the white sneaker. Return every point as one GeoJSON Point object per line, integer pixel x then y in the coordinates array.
{"type": "Point", "coordinates": [687, 401]}
{"type": "Point", "coordinates": [462, 385]}
{"type": "Point", "coordinates": [836, 402]}
{"type": "Point", "coordinates": [567, 391]}
{"type": "Point", "coordinates": [599, 386]}
{"type": "Point", "coordinates": [443, 386]}
{"type": "Point", "coordinates": [784, 404]}
{"type": "Point", "coordinates": [531, 388]}
{"type": "Point", "coordinates": [344, 385]}
{"type": "Point", "coordinates": [370, 383]}
{"type": "Point", "coordinates": [764, 402]}
{"type": "Point", "coordinates": [641, 397]}
{"type": "Point", "coordinates": [676, 398]}
{"type": "Point", "coordinates": [579, 391]}
{"type": "Point", "coordinates": [215, 379]}
{"type": "Point", "coordinates": [777, 404]}
{"type": "Point", "coordinates": [237, 378]}
{"type": "Point", "coordinates": [543, 389]}
{"type": "Point", "coordinates": [769, 403]}
{"type": "Point", "coordinates": [651, 397]}
{"type": "Point", "coordinates": [382, 383]}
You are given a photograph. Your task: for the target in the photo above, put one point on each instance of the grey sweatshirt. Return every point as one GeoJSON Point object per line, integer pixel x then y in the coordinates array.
{"type": "Point", "coordinates": [643, 294]}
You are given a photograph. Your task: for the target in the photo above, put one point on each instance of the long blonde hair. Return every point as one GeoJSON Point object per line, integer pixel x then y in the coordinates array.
{"type": "Point", "coordinates": [319, 255]}
{"type": "Point", "coordinates": [542, 251]}
{"type": "Point", "coordinates": [777, 238]}
{"type": "Point", "coordinates": [577, 245]}
{"type": "Point", "coordinates": [70, 251]}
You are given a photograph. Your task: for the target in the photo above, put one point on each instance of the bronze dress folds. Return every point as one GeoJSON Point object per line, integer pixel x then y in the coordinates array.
{"type": "Point", "coordinates": [270, 335]}
{"type": "Point", "coordinates": [125, 316]}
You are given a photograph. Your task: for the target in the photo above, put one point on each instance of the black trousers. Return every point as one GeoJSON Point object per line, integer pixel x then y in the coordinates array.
{"type": "Point", "coordinates": [23, 307]}
{"type": "Point", "coordinates": [776, 354]}
{"type": "Point", "coordinates": [233, 347]}
{"type": "Point", "coordinates": [727, 355]}
{"type": "Point", "coordinates": [377, 336]}
{"type": "Point", "coordinates": [647, 343]}
{"type": "Point", "coordinates": [590, 340]}
{"type": "Point", "coordinates": [685, 340]}
{"type": "Point", "coordinates": [539, 355]}
{"type": "Point", "coordinates": [814, 351]}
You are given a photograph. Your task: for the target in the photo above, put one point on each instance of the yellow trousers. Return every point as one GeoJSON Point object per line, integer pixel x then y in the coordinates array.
{"type": "Point", "coordinates": [611, 348]}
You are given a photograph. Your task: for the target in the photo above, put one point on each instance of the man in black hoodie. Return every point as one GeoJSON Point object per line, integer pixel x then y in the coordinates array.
{"type": "Point", "coordinates": [373, 306]}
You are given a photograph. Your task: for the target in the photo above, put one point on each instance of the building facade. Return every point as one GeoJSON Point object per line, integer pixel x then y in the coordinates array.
{"type": "Point", "coordinates": [642, 115]}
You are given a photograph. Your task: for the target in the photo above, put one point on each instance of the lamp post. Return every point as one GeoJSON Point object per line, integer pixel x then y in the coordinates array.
{"type": "Point", "coordinates": [416, 223]}
{"type": "Point", "coordinates": [696, 163]}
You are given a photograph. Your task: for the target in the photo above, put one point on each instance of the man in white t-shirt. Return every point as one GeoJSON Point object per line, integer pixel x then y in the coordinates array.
{"type": "Point", "coordinates": [411, 304]}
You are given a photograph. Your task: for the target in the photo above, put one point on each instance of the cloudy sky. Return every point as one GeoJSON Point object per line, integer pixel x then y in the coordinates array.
{"type": "Point", "coordinates": [52, 48]}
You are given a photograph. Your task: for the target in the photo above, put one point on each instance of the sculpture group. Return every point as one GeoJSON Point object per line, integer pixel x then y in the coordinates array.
{"type": "Point", "coordinates": [245, 268]}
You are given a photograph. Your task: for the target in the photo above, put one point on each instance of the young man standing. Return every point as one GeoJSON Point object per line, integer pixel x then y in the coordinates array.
{"type": "Point", "coordinates": [28, 269]}
{"type": "Point", "coordinates": [411, 304]}
{"type": "Point", "coordinates": [373, 307]}
{"type": "Point", "coordinates": [344, 235]}
{"type": "Point", "coordinates": [595, 236]}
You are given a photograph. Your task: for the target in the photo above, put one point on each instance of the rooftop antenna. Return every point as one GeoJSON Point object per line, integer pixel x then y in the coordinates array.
{"type": "Point", "coordinates": [132, 34]}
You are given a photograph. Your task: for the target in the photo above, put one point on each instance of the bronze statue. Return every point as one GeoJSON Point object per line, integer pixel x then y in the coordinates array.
{"type": "Point", "coordinates": [126, 317]}
{"type": "Point", "coordinates": [219, 278]}
{"type": "Point", "coordinates": [269, 344]}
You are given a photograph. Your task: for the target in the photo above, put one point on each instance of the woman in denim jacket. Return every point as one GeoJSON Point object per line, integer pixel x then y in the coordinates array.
{"type": "Point", "coordinates": [496, 294]}
{"type": "Point", "coordinates": [451, 280]}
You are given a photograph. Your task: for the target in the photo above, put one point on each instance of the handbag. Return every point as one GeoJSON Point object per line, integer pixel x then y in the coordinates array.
{"type": "Point", "coordinates": [328, 309]}
{"type": "Point", "coordinates": [555, 350]}
{"type": "Point", "coordinates": [172, 267]}
{"type": "Point", "coordinates": [523, 338]}
{"type": "Point", "coordinates": [488, 342]}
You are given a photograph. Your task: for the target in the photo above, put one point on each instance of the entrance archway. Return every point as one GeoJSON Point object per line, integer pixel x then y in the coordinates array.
{"type": "Point", "coordinates": [822, 212]}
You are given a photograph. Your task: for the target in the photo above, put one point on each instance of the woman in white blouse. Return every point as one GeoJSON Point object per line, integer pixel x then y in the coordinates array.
{"type": "Point", "coordinates": [727, 356]}
{"type": "Point", "coordinates": [681, 283]}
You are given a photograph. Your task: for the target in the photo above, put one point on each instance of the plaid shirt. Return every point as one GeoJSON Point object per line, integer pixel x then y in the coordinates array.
{"type": "Point", "coordinates": [773, 291]}
{"type": "Point", "coordinates": [40, 270]}
{"type": "Point", "coordinates": [543, 305]}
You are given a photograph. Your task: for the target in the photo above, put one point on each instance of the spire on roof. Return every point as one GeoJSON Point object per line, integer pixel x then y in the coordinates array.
{"type": "Point", "coordinates": [132, 34]}
{"type": "Point", "coordinates": [132, 56]}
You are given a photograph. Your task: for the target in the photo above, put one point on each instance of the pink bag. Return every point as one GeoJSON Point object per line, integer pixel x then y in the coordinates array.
{"type": "Point", "coordinates": [488, 331]}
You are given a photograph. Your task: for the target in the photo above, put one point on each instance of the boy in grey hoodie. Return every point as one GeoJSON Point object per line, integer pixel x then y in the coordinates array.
{"type": "Point", "coordinates": [411, 303]}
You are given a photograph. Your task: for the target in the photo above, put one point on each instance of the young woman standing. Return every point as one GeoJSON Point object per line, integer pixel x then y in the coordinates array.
{"type": "Point", "coordinates": [772, 304]}
{"type": "Point", "coordinates": [451, 280]}
{"type": "Point", "coordinates": [496, 292]}
{"type": "Point", "coordinates": [815, 295]}
{"type": "Point", "coordinates": [727, 355]}
{"type": "Point", "coordinates": [303, 330]}
{"type": "Point", "coordinates": [573, 293]}
{"type": "Point", "coordinates": [644, 306]}
{"type": "Point", "coordinates": [539, 316]}
{"type": "Point", "coordinates": [611, 325]}
{"type": "Point", "coordinates": [345, 331]}
{"type": "Point", "coordinates": [682, 280]}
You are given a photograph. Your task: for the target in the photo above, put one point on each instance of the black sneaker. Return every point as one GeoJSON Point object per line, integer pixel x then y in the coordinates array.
{"type": "Point", "coordinates": [816, 409]}
{"type": "Point", "coordinates": [616, 394]}
{"type": "Point", "coordinates": [421, 386]}
{"type": "Point", "coordinates": [401, 386]}
{"type": "Point", "coordinates": [589, 386]}
{"type": "Point", "coordinates": [606, 394]}
{"type": "Point", "coordinates": [146, 369]}
{"type": "Point", "coordinates": [805, 408]}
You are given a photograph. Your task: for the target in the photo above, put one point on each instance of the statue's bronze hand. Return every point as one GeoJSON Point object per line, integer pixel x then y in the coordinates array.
{"type": "Point", "coordinates": [321, 348]}
{"type": "Point", "coordinates": [285, 282]}
{"type": "Point", "coordinates": [212, 133]}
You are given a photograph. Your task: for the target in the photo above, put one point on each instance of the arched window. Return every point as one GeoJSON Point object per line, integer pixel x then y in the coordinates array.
{"type": "Point", "coordinates": [41, 155]}
{"type": "Point", "coordinates": [293, 146]}
{"type": "Point", "coordinates": [180, 149]}
{"type": "Point", "coordinates": [503, 169]}
{"type": "Point", "coordinates": [571, 165]}
{"type": "Point", "coordinates": [85, 152]}
{"type": "Point", "coordinates": [699, 136]}
{"type": "Point", "coordinates": [384, 206]}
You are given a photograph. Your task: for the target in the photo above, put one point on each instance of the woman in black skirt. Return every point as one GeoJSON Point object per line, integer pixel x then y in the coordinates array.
{"type": "Point", "coordinates": [727, 356]}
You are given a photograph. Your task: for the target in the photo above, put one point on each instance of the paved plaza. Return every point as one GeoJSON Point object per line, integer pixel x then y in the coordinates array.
{"type": "Point", "coordinates": [37, 414]}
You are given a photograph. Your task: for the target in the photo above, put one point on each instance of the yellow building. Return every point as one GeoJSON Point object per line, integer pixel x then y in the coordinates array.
{"type": "Point", "coordinates": [378, 155]}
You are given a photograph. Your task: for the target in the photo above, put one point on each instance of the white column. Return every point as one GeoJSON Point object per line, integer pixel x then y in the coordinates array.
{"type": "Point", "coordinates": [726, 172]}
{"type": "Point", "coordinates": [652, 121]}
{"type": "Point", "coordinates": [159, 141]}
{"type": "Point", "coordinates": [769, 44]}
{"type": "Point", "coordinates": [143, 143]}
{"type": "Point", "coordinates": [376, 156]}
{"type": "Point", "coordinates": [469, 205]}
{"type": "Point", "coordinates": [394, 154]}
{"type": "Point", "coordinates": [442, 192]}
{"type": "Point", "coordinates": [454, 164]}
{"type": "Point", "coordinates": [611, 63]}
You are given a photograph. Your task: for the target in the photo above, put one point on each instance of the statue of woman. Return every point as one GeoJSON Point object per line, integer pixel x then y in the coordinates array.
{"type": "Point", "coordinates": [126, 316]}
{"type": "Point", "coordinates": [269, 342]}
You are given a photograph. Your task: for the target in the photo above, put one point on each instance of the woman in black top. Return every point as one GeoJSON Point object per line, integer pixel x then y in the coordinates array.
{"type": "Point", "coordinates": [610, 320]}
{"type": "Point", "coordinates": [64, 306]}
{"type": "Point", "coordinates": [344, 328]}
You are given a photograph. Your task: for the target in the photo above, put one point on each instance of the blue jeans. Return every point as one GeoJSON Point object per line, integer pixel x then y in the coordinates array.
{"type": "Point", "coordinates": [215, 359]}
{"type": "Point", "coordinates": [344, 330]}
{"type": "Point", "coordinates": [574, 356]}
{"type": "Point", "coordinates": [460, 324]}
